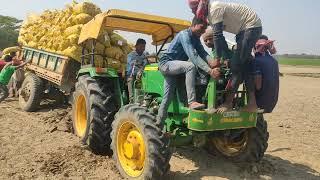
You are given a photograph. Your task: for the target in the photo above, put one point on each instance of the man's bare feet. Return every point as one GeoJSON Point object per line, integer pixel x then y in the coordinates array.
{"type": "Point", "coordinates": [224, 107]}
{"type": "Point", "coordinates": [250, 108]}
{"type": "Point", "coordinates": [196, 105]}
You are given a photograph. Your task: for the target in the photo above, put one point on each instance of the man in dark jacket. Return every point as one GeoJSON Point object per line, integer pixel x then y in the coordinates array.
{"type": "Point", "coordinates": [267, 76]}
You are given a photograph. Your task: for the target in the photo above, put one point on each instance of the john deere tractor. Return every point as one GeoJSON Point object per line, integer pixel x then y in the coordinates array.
{"type": "Point", "coordinates": [140, 143]}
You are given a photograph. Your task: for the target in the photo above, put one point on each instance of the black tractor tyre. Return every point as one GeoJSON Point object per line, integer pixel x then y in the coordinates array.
{"type": "Point", "coordinates": [156, 143]}
{"type": "Point", "coordinates": [93, 109]}
{"type": "Point", "coordinates": [31, 93]}
{"type": "Point", "coordinates": [254, 146]}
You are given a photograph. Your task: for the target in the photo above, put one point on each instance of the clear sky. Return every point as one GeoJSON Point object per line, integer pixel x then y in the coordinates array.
{"type": "Point", "coordinates": [294, 24]}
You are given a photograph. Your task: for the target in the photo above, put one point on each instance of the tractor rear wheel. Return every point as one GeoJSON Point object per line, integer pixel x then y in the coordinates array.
{"type": "Point", "coordinates": [93, 110]}
{"type": "Point", "coordinates": [31, 93]}
{"type": "Point", "coordinates": [140, 148]}
{"type": "Point", "coordinates": [248, 146]}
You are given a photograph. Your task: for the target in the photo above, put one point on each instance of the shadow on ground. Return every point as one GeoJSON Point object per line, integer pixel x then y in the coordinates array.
{"type": "Point", "coordinates": [49, 105]}
{"type": "Point", "coordinates": [271, 167]}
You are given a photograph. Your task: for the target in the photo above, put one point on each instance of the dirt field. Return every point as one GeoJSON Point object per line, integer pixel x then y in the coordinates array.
{"type": "Point", "coordinates": [40, 146]}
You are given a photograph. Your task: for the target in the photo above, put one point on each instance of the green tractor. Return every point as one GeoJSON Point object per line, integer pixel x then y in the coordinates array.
{"type": "Point", "coordinates": [141, 145]}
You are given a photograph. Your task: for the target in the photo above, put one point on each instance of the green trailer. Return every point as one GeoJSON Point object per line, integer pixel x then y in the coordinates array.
{"type": "Point", "coordinates": [49, 76]}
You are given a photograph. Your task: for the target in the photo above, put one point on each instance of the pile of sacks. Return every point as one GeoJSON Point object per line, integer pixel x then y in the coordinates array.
{"type": "Point", "coordinates": [58, 31]}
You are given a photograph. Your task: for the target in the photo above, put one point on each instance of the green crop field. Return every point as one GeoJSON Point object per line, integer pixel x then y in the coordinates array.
{"type": "Point", "coordinates": [299, 61]}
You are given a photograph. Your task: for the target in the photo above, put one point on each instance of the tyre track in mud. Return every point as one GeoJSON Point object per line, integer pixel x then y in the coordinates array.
{"type": "Point", "coordinates": [39, 145]}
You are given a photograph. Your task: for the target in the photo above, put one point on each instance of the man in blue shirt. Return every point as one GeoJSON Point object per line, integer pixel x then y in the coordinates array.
{"type": "Point", "coordinates": [184, 54]}
{"type": "Point", "coordinates": [136, 62]}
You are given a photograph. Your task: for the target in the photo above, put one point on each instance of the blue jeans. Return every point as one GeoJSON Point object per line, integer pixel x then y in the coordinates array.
{"type": "Point", "coordinates": [170, 70]}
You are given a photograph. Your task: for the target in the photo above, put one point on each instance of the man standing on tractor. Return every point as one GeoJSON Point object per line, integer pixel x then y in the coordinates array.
{"type": "Point", "coordinates": [244, 22]}
{"type": "Point", "coordinates": [137, 60]}
{"type": "Point", "coordinates": [175, 61]}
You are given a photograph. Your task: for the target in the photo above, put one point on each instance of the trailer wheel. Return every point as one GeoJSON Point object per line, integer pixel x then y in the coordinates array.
{"type": "Point", "coordinates": [140, 148]}
{"type": "Point", "coordinates": [93, 110]}
{"type": "Point", "coordinates": [31, 93]}
{"type": "Point", "coordinates": [248, 146]}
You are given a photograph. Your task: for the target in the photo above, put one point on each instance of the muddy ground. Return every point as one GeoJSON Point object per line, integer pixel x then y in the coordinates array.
{"type": "Point", "coordinates": [40, 146]}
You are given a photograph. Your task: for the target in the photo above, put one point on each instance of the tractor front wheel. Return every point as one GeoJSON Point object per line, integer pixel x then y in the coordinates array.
{"type": "Point", "coordinates": [93, 109]}
{"type": "Point", "coordinates": [140, 148]}
{"type": "Point", "coordinates": [247, 145]}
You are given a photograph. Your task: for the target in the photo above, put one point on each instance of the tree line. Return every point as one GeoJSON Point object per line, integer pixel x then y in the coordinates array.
{"type": "Point", "coordinates": [303, 56]}
{"type": "Point", "coordinates": [9, 31]}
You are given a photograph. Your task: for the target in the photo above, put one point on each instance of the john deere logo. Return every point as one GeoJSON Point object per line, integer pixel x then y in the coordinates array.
{"type": "Point", "coordinates": [231, 114]}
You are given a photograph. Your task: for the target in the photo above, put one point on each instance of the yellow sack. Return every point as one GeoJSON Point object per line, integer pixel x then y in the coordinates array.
{"type": "Point", "coordinates": [114, 52]}
{"type": "Point", "coordinates": [76, 29]}
{"type": "Point", "coordinates": [63, 45]}
{"type": "Point", "coordinates": [55, 47]}
{"type": "Point", "coordinates": [86, 7]}
{"type": "Point", "coordinates": [99, 48]}
{"type": "Point", "coordinates": [32, 44]}
{"type": "Point", "coordinates": [73, 52]}
{"type": "Point", "coordinates": [117, 40]}
{"type": "Point", "coordinates": [70, 21]}
{"type": "Point", "coordinates": [31, 19]}
{"type": "Point", "coordinates": [126, 49]}
{"type": "Point", "coordinates": [22, 41]}
{"type": "Point", "coordinates": [11, 49]}
{"type": "Point", "coordinates": [43, 39]}
{"type": "Point", "coordinates": [73, 39]}
{"type": "Point", "coordinates": [107, 44]}
{"type": "Point", "coordinates": [104, 38]}
{"type": "Point", "coordinates": [4, 56]}
{"type": "Point", "coordinates": [124, 59]}
{"type": "Point", "coordinates": [82, 18]}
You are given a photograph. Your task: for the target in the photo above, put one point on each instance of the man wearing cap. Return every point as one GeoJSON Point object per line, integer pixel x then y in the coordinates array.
{"type": "Point", "coordinates": [244, 22]}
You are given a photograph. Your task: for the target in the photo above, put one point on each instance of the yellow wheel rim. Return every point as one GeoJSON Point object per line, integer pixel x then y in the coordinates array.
{"type": "Point", "coordinates": [131, 149]}
{"type": "Point", "coordinates": [81, 116]}
{"type": "Point", "coordinates": [230, 147]}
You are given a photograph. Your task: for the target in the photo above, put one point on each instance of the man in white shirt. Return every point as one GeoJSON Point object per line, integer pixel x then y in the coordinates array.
{"type": "Point", "coordinates": [244, 22]}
